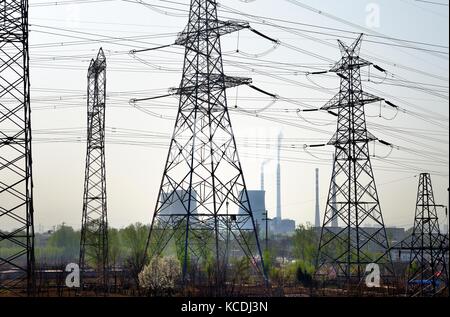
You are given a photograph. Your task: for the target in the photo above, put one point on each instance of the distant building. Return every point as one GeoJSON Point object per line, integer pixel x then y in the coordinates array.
{"type": "Point", "coordinates": [177, 203]}
{"type": "Point", "coordinates": [395, 235]}
{"type": "Point", "coordinates": [257, 200]}
{"type": "Point", "coordinates": [258, 205]}
{"type": "Point", "coordinates": [284, 227]}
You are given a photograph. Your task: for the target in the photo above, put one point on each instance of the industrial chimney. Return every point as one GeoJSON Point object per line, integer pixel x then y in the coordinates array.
{"type": "Point", "coordinates": [280, 138]}
{"type": "Point", "coordinates": [263, 164]}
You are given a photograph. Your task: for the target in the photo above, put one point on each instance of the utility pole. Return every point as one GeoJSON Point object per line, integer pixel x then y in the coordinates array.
{"type": "Point", "coordinates": [203, 174]}
{"type": "Point", "coordinates": [16, 183]}
{"type": "Point", "coordinates": [267, 219]}
{"type": "Point", "coordinates": [94, 229]}
{"type": "Point", "coordinates": [427, 271]}
{"type": "Point", "coordinates": [354, 201]}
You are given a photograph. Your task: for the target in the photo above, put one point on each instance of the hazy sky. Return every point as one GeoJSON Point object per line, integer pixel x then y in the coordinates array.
{"type": "Point", "coordinates": [65, 37]}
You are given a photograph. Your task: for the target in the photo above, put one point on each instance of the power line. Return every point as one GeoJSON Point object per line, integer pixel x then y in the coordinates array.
{"type": "Point", "coordinates": [68, 2]}
{"type": "Point", "coordinates": [432, 2]}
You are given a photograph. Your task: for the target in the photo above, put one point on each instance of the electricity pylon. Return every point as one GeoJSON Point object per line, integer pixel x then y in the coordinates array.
{"type": "Point", "coordinates": [353, 199]}
{"type": "Point", "coordinates": [16, 185]}
{"type": "Point", "coordinates": [203, 204]}
{"type": "Point", "coordinates": [427, 272]}
{"type": "Point", "coordinates": [94, 230]}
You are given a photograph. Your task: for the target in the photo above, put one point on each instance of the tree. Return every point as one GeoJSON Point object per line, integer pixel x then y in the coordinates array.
{"type": "Point", "coordinates": [269, 260]}
{"type": "Point", "coordinates": [135, 241]}
{"type": "Point", "coordinates": [241, 271]}
{"type": "Point", "coordinates": [67, 240]}
{"type": "Point", "coordinates": [305, 244]}
{"type": "Point", "coordinates": [304, 274]}
{"type": "Point", "coordinates": [160, 277]}
{"type": "Point", "coordinates": [114, 247]}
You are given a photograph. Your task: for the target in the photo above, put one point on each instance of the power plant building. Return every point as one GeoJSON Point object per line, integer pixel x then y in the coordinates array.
{"type": "Point", "coordinates": [177, 203]}
{"type": "Point", "coordinates": [257, 200]}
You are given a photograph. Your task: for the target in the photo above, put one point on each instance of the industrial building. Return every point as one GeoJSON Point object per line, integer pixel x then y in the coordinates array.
{"type": "Point", "coordinates": [258, 206]}
{"type": "Point", "coordinates": [177, 202]}
{"type": "Point", "coordinates": [284, 227]}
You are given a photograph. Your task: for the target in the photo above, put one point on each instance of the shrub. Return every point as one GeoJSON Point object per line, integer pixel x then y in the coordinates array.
{"type": "Point", "coordinates": [159, 278]}
{"type": "Point", "coordinates": [304, 273]}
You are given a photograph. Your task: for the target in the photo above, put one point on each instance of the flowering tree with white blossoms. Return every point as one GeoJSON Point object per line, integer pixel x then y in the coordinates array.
{"type": "Point", "coordinates": [160, 276]}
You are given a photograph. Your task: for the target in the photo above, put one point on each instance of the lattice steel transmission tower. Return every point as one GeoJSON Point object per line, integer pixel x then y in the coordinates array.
{"type": "Point", "coordinates": [203, 205]}
{"type": "Point", "coordinates": [353, 197]}
{"type": "Point", "coordinates": [16, 185]}
{"type": "Point", "coordinates": [94, 231]}
{"type": "Point", "coordinates": [427, 272]}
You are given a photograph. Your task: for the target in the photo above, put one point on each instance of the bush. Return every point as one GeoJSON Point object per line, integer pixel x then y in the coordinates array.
{"type": "Point", "coordinates": [304, 273]}
{"type": "Point", "coordinates": [159, 278]}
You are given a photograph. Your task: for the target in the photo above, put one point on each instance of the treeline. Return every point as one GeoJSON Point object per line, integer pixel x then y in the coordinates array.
{"type": "Point", "coordinates": [292, 259]}
{"type": "Point", "coordinates": [286, 258]}
{"type": "Point", "coordinates": [62, 246]}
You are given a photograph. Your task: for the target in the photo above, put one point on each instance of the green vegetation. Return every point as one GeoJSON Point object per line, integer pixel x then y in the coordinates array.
{"type": "Point", "coordinates": [289, 260]}
{"type": "Point", "coordinates": [63, 245]}
{"type": "Point", "coordinates": [133, 240]}
{"type": "Point", "coordinates": [305, 242]}
{"type": "Point", "coordinates": [126, 246]}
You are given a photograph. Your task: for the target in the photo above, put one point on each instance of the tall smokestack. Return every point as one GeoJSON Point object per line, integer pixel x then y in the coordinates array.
{"type": "Point", "coordinates": [317, 200]}
{"type": "Point", "coordinates": [263, 164]}
{"type": "Point", "coordinates": [280, 138]}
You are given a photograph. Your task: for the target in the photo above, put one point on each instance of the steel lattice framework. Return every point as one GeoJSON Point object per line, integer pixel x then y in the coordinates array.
{"type": "Point", "coordinates": [94, 232]}
{"type": "Point", "coordinates": [203, 204]}
{"type": "Point", "coordinates": [353, 197]}
{"type": "Point", "coordinates": [427, 272]}
{"type": "Point", "coordinates": [16, 197]}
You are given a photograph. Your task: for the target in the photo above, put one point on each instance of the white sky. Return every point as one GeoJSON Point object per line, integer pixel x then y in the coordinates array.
{"type": "Point", "coordinates": [58, 77]}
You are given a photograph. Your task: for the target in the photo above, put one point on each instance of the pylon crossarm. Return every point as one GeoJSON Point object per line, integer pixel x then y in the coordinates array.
{"type": "Point", "coordinates": [339, 101]}
{"type": "Point", "coordinates": [215, 83]}
{"type": "Point", "coordinates": [218, 28]}
{"type": "Point", "coordinates": [343, 66]}
{"type": "Point", "coordinates": [211, 82]}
